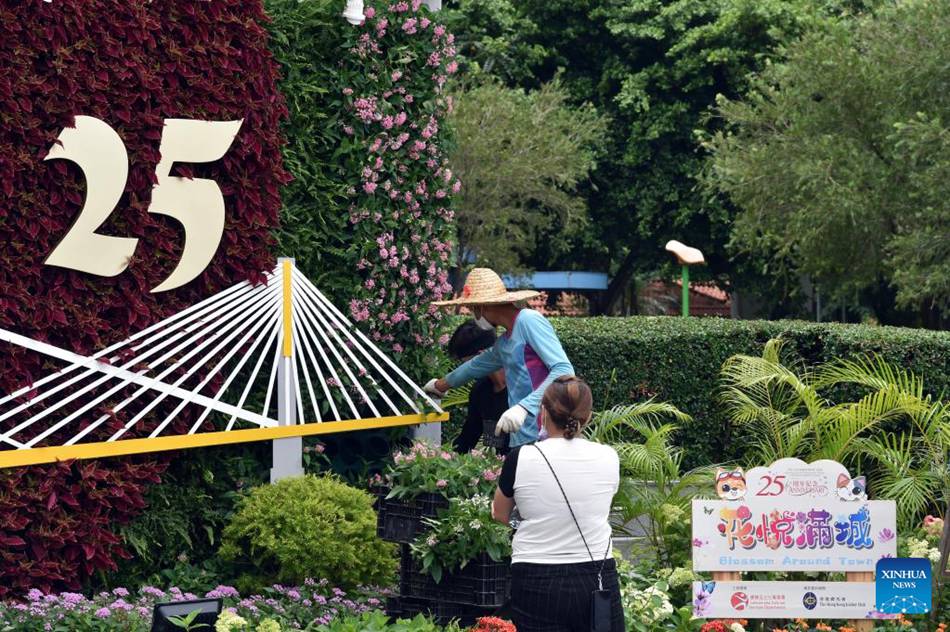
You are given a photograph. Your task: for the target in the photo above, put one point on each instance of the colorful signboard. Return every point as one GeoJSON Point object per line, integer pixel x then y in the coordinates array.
{"type": "Point", "coordinates": [792, 516]}
{"type": "Point", "coordinates": [781, 600]}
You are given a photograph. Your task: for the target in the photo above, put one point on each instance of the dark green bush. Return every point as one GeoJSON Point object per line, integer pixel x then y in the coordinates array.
{"type": "Point", "coordinates": [307, 527]}
{"type": "Point", "coordinates": [678, 360]}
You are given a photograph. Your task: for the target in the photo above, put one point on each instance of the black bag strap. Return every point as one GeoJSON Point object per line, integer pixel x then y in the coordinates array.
{"type": "Point", "coordinates": [600, 579]}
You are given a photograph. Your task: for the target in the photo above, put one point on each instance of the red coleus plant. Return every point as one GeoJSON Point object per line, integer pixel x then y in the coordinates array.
{"type": "Point", "coordinates": [131, 65]}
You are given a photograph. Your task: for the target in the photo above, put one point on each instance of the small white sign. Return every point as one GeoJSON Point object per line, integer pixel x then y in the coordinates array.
{"type": "Point", "coordinates": [793, 478]}
{"type": "Point", "coordinates": [785, 600]}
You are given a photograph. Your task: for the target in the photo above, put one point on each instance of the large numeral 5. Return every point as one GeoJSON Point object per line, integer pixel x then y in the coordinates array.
{"type": "Point", "coordinates": [196, 203]}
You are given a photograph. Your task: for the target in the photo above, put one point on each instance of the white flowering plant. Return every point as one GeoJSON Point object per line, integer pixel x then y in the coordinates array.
{"type": "Point", "coordinates": [465, 531]}
{"type": "Point", "coordinates": [648, 600]}
{"type": "Point", "coordinates": [925, 543]}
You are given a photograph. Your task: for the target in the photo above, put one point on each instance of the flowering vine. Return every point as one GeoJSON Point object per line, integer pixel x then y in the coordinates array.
{"type": "Point", "coordinates": [401, 186]}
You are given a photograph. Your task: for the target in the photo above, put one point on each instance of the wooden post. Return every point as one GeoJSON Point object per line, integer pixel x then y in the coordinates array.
{"type": "Point", "coordinates": [942, 568]}
{"type": "Point", "coordinates": [860, 625]}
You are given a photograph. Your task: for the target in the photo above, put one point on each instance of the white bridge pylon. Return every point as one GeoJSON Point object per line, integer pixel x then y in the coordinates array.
{"type": "Point", "coordinates": [228, 356]}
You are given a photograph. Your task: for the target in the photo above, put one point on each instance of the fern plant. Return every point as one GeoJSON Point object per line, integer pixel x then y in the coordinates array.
{"type": "Point", "coordinates": [655, 494]}
{"type": "Point", "coordinates": [895, 433]}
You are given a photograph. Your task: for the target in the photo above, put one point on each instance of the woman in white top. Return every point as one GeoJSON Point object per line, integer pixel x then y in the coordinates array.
{"type": "Point", "coordinates": [554, 568]}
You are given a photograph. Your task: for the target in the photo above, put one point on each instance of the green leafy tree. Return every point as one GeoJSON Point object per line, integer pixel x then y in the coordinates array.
{"type": "Point", "coordinates": [655, 68]}
{"type": "Point", "coordinates": [838, 158]}
{"type": "Point", "coordinates": [520, 156]}
{"type": "Point", "coordinates": [494, 37]}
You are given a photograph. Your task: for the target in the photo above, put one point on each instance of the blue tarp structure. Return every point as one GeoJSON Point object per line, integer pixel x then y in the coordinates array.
{"type": "Point", "coordinates": [577, 281]}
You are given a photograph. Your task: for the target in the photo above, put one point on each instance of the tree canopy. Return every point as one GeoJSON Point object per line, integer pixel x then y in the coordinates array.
{"type": "Point", "coordinates": [520, 156]}
{"type": "Point", "coordinates": [654, 69]}
{"type": "Point", "coordinates": [839, 157]}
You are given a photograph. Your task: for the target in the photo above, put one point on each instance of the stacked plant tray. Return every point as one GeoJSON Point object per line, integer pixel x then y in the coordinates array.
{"type": "Point", "coordinates": [400, 519]}
{"type": "Point", "coordinates": [478, 590]}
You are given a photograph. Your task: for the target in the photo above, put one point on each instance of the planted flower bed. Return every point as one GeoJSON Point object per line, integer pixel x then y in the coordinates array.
{"type": "Point", "coordinates": [274, 609]}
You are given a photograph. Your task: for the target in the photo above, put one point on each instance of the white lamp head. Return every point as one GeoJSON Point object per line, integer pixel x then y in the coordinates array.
{"type": "Point", "coordinates": [685, 254]}
{"type": "Point", "coordinates": [354, 12]}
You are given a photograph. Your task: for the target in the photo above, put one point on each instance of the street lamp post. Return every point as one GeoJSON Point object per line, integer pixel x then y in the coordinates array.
{"type": "Point", "coordinates": [686, 256]}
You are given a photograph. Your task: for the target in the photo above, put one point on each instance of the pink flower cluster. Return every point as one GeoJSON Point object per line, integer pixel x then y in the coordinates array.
{"type": "Point", "coordinates": [401, 193]}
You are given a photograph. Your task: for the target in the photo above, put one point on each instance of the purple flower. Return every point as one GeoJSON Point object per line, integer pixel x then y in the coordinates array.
{"type": "Point", "coordinates": [103, 613]}
{"type": "Point", "coordinates": [886, 535]}
{"type": "Point", "coordinates": [223, 591]}
{"type": "Point", "coordinates": [701, 605]}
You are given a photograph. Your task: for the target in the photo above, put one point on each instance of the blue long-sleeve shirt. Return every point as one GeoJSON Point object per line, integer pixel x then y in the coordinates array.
{"type": "Point", "coordinates": [532, 358]}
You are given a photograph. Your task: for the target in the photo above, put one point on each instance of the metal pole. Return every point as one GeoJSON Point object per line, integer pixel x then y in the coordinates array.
{"type": "Point", "coordinates": [685, 290]}
{"type": "Point", "coordinates": [287, 453]}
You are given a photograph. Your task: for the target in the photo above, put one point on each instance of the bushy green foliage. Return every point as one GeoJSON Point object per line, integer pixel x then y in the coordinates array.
{"type": "Point", "coordinates": [303, 527]}
{"type": "Point", "coordinates": [892, 432]}
{"type": "Point", "coordinates": [521, 156]}
{"type": "Point", "coordinates": [655, 69]}
{"type": "Point", "coordinates": [838, 156]}
{"type": "Point", "coordinates": [678, 361]}
{"type": "Point", "coordinates": [655, 492]}
{"type": "Point", "coordinates": [180, 529]}
{"type": "Point", "coordinates": [459, 535]}
{"type": "Point", "coordinates": [376, 621]}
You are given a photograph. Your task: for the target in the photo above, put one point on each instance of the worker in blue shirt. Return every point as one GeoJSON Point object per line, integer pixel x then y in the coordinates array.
{"type": "Point", "coordinates": [529, 351]}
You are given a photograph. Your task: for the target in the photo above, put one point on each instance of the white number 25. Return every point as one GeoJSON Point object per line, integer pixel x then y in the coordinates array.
{"type": "Point", "coordinates": [196, 203]}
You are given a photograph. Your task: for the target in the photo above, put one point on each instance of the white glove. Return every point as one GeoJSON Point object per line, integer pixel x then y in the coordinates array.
{"type": "Point", "coordinates": [432, 390]}
{"type": "Point", "coordinates": [511, 421]}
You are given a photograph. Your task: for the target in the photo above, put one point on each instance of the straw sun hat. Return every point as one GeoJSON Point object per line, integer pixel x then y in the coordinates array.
{"type": "Point", "coordinates": [484, 287]}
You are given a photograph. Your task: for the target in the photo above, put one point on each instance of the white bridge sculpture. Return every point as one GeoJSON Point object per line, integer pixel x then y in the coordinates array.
{"type": "Point", "coordinates": [281, 341]}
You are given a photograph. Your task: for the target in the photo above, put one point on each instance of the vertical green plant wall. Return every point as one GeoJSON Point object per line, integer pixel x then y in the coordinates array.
{"type": "Point", "coordinates": [369, 215]}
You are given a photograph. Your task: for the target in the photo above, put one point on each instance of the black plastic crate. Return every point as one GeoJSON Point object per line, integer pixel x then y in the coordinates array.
{"type": "Point", "coordinates": [443, 612]}
{"type": "Point", "coordinates": [500, 443]}
{"type": "Point", "coordinates": [400, 520]}
{"type": "Point", "coordinates": [483, 581]}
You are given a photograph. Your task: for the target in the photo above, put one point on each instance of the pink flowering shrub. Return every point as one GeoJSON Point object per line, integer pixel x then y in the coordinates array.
{"type": "Point", "coordinates": [399, 184]}
{"type": "Point", "coordinates": [426, 468]}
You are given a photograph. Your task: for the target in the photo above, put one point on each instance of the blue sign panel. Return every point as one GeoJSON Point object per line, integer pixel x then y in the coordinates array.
{"type": "Point", "coordinates": [903, 585]}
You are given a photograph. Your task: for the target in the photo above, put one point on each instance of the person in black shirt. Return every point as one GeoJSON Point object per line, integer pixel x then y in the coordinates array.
{"type": "Point", "coordinates": [488, 398]}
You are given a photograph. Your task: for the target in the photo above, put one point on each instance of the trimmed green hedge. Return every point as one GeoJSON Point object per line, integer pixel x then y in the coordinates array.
{"type": "Point", "coordinates": [678, 360]}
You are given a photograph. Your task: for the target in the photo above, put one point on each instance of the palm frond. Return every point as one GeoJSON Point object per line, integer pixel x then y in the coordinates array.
{"type": "Point", "coordinates": [844, 423]}
{"type": "Point", "coordinates": [456, 397]}
{"type": "Point", "coordinates": [870, 371]}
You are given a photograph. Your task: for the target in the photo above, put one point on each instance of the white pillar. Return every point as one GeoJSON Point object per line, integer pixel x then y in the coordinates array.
{"type": "Point", "coordinates": [287, 453]}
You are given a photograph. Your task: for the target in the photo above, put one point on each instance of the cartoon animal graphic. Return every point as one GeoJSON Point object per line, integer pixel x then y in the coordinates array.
{"type": "Point", "coordinates": [852, 488]}
{"type": "Point", "coordinates": [730, 484]}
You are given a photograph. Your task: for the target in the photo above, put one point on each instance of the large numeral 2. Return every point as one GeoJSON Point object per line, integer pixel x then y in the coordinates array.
{"type": "Point", "coordinates": [197, 203]}
{"type": "Point", "coordinates": [100, 153]}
